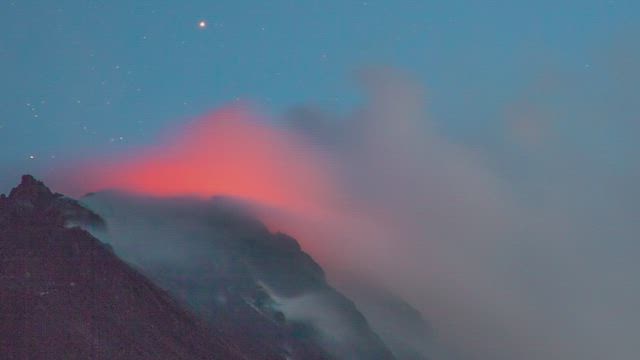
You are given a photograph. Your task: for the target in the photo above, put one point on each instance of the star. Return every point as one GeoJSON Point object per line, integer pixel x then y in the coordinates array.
{"type": "Point", "coordinates": [202, 24]}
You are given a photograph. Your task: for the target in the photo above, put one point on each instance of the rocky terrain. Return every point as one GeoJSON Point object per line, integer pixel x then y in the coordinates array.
{"type": "Point", "coordinates": [65, 295]}
{"type": "Point", "coordinates": [176, 280]}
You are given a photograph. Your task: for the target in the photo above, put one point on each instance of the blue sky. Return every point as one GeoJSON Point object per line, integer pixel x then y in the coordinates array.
{"type": "Point", "coordinates": [90, 76]}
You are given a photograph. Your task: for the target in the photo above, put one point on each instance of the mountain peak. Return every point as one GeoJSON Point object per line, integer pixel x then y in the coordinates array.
{"type": "Point", "coordinates": [31, 190]}
{"type": "Point", "coordinates": [33, 201]}
{"type": "Point", "coordinates": [28, 179]}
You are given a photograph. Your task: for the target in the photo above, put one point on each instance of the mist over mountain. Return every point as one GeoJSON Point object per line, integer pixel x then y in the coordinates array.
{"type": "Point", "coordinates": [242, 291]}
{"type": "Point", "coordinates": [517, 251]}
{"type": "Point", "coordinates": [291, 180]}
{"type": "Point", "coordinates": [229, 267]}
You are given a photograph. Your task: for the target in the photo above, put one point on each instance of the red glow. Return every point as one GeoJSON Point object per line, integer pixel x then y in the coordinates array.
{"type": "Point", "coordinates": [290, 185]}
{"type": "Point", "coordinates": [229, 152]}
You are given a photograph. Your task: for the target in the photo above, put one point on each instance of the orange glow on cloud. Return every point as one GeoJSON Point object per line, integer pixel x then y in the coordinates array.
{"type": "Point", "coordinates": [287, 182]}
{"type": "Point", "coordinates": [229, 152]}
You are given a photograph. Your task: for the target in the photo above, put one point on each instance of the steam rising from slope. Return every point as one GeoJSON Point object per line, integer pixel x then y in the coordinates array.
{"type": "Point", "coordinates": [382, 195]}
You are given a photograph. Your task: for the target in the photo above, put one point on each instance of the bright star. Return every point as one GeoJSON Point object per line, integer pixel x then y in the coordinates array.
{"type": "Point", "coordinates": [202, 24]}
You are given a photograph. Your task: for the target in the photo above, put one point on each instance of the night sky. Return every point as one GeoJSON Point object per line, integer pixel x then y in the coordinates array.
{"type": "Point", "coordinates": [86, 77]}
{"type": "Point", "coordinates": [501, 200]}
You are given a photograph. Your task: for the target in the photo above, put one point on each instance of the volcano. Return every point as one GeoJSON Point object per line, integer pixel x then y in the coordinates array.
{"type": "Point", "coordinates": [65, 294]}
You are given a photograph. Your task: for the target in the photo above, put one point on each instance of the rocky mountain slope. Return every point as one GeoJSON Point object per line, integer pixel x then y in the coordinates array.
{"type": "Point", "coordinates": [65, 295]}
{"type": "Point", "coordinates": [232, 270]}
{"type": "Point", "coordinates": [242, 292]}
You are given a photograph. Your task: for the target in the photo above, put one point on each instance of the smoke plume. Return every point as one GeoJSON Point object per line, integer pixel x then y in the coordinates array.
{"type": "Point", "coordinates": [505, 264]}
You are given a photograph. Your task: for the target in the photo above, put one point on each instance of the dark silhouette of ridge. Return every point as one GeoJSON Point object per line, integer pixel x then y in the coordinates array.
{"type": "Point", "coordinates": [253, 284]}
{"type": "Point", "coordinates": [65, 295]}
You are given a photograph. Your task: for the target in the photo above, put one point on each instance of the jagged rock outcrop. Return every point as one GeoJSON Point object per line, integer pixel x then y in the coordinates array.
{"type": "Point", "coordinates": [32, 201]}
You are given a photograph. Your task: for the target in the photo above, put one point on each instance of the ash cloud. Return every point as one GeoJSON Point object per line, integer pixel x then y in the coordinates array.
{"type": "Point", "coordinates": [523, 252]}
{"type": "Point", "coordinates": [526, 250]}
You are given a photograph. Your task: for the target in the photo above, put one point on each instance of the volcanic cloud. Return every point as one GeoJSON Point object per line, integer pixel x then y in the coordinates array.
{"type": "Point", "coordinates": [382, 196]}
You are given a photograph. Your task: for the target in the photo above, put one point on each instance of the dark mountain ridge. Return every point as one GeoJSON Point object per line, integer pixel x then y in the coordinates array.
{"type": "Point", "coordinates": [232, 270]}
{"type": "Point", "coordinates": [64, 294]}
